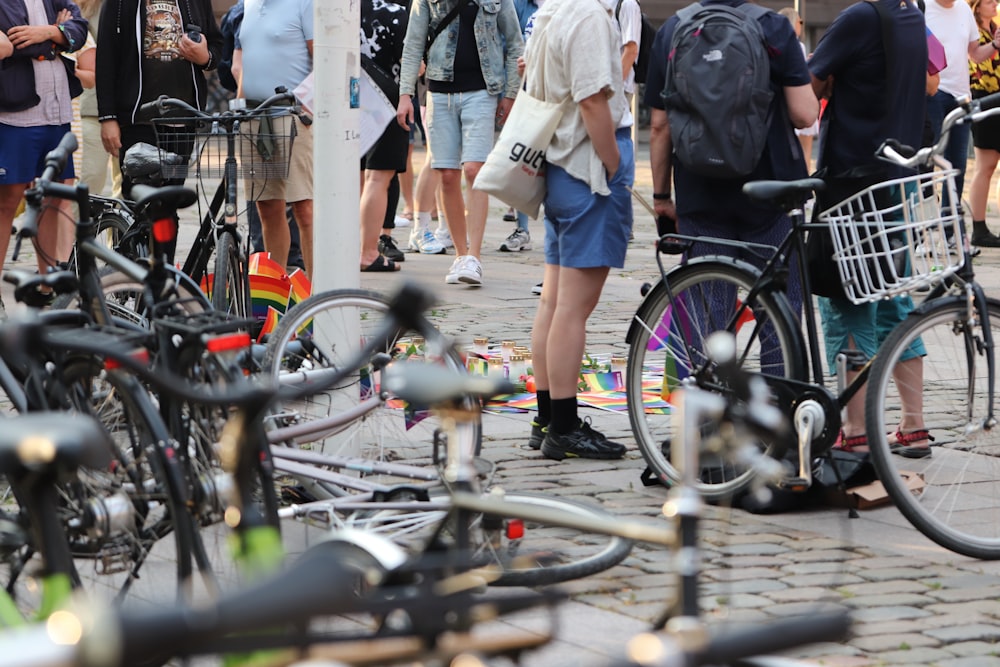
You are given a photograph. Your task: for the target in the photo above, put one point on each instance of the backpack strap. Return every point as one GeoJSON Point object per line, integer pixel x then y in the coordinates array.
{"type": "Point", "coordinates": [686, 13]}
{"type": "Point", "coordinates": [439, 28]}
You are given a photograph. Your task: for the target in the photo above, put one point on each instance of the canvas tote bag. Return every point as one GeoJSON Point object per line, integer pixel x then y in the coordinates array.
{"type": "Point", "coordinates": [514, 172]}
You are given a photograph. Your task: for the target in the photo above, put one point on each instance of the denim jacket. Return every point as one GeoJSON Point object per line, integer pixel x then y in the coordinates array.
{"type": "Point", "coordinates": [496, 24]}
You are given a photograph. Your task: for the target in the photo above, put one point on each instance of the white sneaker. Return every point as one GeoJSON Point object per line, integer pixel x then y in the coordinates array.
{"type": "Point", "coordinates": [537, 289]}
{"type": "Point", "coordinates": [519, 239]}
{"type": "Point", "coordinates": [402, 222]}
{"type": "Point", "coordinates": [443, 237]}
{"type": "Point", "coordinates": [465, 269]}
{"type": "Point", "coordinates": [423, 241]}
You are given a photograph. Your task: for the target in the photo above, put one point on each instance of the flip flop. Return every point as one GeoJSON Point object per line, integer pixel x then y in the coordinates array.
{"type": "Point", "coordinates": [381, 265]}
{"type": "Point", "coordinates": [903, 448]}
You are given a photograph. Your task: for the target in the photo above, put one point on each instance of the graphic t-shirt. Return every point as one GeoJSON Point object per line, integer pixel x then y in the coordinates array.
{"type": "Point", "coordinates": [383, 27]}
{"type": "Point", "coordinates": [164, 70]}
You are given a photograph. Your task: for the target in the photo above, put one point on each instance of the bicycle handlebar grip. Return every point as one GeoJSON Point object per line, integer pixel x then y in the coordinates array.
{"type": "Point", "coordinates": [316, 585]}
{"type": "Point", "coordinates": [151, 108]}
{"type": "Point", "coordinates": [775, 636]}
{"type": "Point", "coordinates": [989, 102]}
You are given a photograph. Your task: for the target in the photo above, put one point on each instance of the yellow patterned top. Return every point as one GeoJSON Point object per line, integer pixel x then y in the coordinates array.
{"type": "Point", "coordinates": [984, 77]}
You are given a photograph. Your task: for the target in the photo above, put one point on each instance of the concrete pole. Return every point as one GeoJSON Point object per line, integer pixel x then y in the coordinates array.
{"type": "Point", "coordinates": [336, 203]}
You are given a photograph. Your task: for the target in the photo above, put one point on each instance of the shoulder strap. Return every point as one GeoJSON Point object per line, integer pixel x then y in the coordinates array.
{"type": "Point", "coordinates": [686, 13]}
{"type": "Point", "coordinates": [439, 28]}
{"type": "Point", "coordinates": [618, 11]}
{"type": "Point", "coordinates": [889, 46]}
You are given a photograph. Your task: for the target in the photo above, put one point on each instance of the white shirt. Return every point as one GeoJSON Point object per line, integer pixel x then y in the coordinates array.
{"type": "Point", "coordinates": [630, 24]}
{"type": "Point", "coordinates": [954, 27]}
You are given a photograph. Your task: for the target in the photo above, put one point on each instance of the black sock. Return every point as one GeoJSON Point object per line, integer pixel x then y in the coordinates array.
{"type": "Point", "coordinates": [564, 418]}
{"type": "Point", "coordinates": [544, 400]}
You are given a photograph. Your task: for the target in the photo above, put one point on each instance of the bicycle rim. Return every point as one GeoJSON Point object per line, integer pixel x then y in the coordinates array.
{"type": "Point", "coordinates": [324, 332]}
{"type": "Point", "coordinates": [959, 504]}
{"type": "Point", "coordinates": [666, 341]}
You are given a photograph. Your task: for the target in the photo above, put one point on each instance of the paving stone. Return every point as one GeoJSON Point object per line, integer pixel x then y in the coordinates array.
{"type": "Point", "coordinates": [738, 574]}
{"type": "Point", "coordinates": [894, 600]}
{"type": "Point", "coordinates": [916, 656]}
{"type": "Point", "coordinates": [894, 642]}
{"type": "Point", "coordinates": [971, 661]}
{"type": "Point", "coordinates": [966, 632]}
{"type": "Point", "coordinates": [830, 579]}
{"type": "Point", "coordinates": [734, 587]}
{"type": "Point", "coordinates": [886, 613]}
{"type": "Point", "coordinates": [971, 649]}
{"type": "Point", "coordinates": [804, 594]}
{"type": "Point", "coordinates": [984, 607]}
{"type": "Point", "coordinates": [885, 587]}
{"type": "Point", "coordinates": [963, 594]}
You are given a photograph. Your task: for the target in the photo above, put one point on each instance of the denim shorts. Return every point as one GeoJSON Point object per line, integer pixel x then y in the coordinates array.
{"type": "Point", "coordinates": [868, 324]}
{"type": "Point", "coordinates": [23, 151]}
{"type": "Point", "coordinates": [584, 230]}
{"type": "Point", "coordinates": [460, 127]}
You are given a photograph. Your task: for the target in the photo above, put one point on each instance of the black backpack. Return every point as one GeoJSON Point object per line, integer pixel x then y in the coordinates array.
{"type": "Point", "coordinates": [718, 94]}
{"type": "Point", "coordinates": [648, 34]}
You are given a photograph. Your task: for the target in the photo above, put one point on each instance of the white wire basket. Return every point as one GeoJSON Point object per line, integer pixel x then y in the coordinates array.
{"type": "Point", "coordinates": [892, 238]}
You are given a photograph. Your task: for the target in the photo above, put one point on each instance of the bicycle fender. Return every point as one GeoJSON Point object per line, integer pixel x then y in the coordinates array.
{"type": "Point", "coordinates": [389, 554]}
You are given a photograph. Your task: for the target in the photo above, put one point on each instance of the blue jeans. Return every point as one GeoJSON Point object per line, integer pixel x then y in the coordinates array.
{"type": "Point", "coordinates": [957, 150]}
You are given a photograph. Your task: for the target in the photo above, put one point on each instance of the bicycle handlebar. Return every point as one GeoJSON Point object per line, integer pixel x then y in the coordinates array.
{"type": "Point", "coordinates": [163, 104]}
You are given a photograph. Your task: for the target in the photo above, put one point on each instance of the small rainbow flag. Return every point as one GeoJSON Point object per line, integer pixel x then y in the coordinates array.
{"type": "Point", "coordinates": [267, 292]}
{"type": "Point", "coordinates": [261, 264]}
{"type": "Point", "coordinates": [301, 287]}
{"type": "Point", "coordinates": [270, 322]}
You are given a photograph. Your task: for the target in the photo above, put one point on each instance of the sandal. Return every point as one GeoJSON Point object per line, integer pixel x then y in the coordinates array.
{"type": "Point", "coordinates": [852, 444]}
{"type": "Point", "coordinates": [381, 265]}
{"type": "Point", "coordinates": [903, 448]}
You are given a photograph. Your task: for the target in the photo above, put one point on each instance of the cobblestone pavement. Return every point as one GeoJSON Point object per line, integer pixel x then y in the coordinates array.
{"type": "Point", "coordinates": [912, 602]}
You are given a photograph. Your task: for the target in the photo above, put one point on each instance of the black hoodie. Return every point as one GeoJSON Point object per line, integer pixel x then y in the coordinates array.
{"type": "Point", "coordinates": [119, 55]}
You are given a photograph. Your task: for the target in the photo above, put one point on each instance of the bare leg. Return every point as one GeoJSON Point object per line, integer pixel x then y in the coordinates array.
{"type": "Point", "coordinates": [454, 208]}
{"type": "Point", "coordinates": [577, 293]}
{"type": "Point", "coordinates": [303, 211]}
{"type": "Point", "coordinates": [909, 378]}
{"type": "Point", "coordinates": [427, 182]}
{"type": "Point", "coordinates": [479, 203]}
{"type": "Point", "coordinates": [807, 145]}
{"type": "Point", "coordinates": [979, 190]}
{"type": "Point", "coordinates": [56, 233]}
{"type": "Point", "coordinates": [406, 183]}
{"type": "Point", "coordinates": [274, 228]}
{"type": "Point", "coordinates": [542, 325]}
{"type": "Point", "coordinates": [10, 197]}
{"type": "Point", "coordinates": [373, 203]}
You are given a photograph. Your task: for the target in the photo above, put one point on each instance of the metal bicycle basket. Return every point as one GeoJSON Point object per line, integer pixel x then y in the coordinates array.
{"type": "Point", "coordinates": [262, 148]}
{"type": "Point", "coordinates": [893, 237]}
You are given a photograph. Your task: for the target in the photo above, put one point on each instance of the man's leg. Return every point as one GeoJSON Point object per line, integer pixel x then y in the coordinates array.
{"type": "Point", "coordinates": [479, 204]}
{"type": "Point", "coordinates": [577, 293]}
{"type": "Point", "coordinates": [274, 229]}
{"type": "Point", "coordinates": [10, 197]}
{"type": "Point", "coordinates": [454, 209]}
{"type": "Point", "coordinates": [56, 233]}
{"type": "Point", "coordinates": [303, 211]}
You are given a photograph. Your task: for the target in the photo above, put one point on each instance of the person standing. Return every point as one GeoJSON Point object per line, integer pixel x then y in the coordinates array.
{"type": "Point", "coordinates": [144, 50]}
{"type": "Point", "coordinates": [985, 133]}
{"type": "Point", "coordinates": [36, 89]}
{"type": "Point", "coordinates": [867, 105]}
{"type": "Point", "coordinates": [275, 48]}
{"type": "Point", "coordinates": [954, 25]}
{"type": "Point", "coordinates": [469, 67]}
{"type": "Point", "coordinates": [716, 207]}
{"type": "Point", "coordinates": [807, 134]}
{"type": "Point", "coordinates": [95, 161]}
{"type": "Point", "coordinates": [575, 54]}
{"type": "Point", "coordinates": [383, 26]}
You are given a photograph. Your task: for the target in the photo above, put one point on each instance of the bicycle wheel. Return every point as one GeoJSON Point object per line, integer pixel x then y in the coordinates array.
{"type": "Point", "coordinates": [324, 332]}
{"type": "Point", "coordinates": [111, 227]}
{"type": "Point", "coordinates": [959, 504]}
{"type": "Point", "coordinates": [230, 284]}
{"type": "Point", "coordinates": [666, 343]}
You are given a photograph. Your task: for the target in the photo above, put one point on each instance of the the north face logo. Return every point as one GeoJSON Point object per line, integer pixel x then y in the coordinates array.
{"type": "Point", "coordinates": [712, 56]}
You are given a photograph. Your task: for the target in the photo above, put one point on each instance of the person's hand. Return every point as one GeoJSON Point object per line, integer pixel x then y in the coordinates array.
{"type": "Point", "coordinates": [111, 136]}
{"type": "Point", "coordinates": [503, 110]}
{"type": "Point", "coordinates": [195, 52]}
{"type": "Point", "coordinates": [404, 112]}
{"type": "Point", "coordinates": [6, 48]}
{"type": "Point", "coordinates": [22, 36]}
{"type": "Point", "coordinates": [521, 66]}
{"type": "Point", "coordinates": [666, 209]}
{"type": "Point", "coordinates": [423, 68]}
{"type": "Point", "coordinates": [63, 16]}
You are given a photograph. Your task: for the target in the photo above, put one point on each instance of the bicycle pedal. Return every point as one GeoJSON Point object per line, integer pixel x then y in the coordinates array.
{"type": "Point", "coordinates": [796, 484]}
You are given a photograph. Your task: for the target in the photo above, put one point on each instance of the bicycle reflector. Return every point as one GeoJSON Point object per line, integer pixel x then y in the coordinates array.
{"type": "Point", "coordinates": [165, 230]}
{"type": "Point", "coordinates": [141, 355]}
{"type": "Point", "coordinates": [228, 342]}
{"type": "Point", "coordinates": [515, 529]}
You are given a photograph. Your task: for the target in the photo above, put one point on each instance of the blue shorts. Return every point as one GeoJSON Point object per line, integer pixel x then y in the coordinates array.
{"type": "Point", "coordinates": [584, 230]}
{"type": "Point", "coordinates": [460, 127]}
{"type": "Point", "coordinates": [23, 151]}
{"type": "Point", "coordinates": [868, 324]}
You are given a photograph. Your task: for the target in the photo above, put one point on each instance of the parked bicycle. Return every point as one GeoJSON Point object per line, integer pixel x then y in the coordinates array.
{"type": "Point", "coordinates": [889, 239]}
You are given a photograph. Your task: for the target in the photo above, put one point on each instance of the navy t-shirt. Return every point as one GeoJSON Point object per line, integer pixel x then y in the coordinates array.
{"type": "Point", "coordinates": [856, 120]}
{"type": "Point", "coordinates": [782, 157]}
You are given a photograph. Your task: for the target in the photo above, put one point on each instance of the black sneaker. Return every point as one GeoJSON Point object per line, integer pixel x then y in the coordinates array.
{"type": "Point", "coordinates": [581, 443]}
{"type": "Point", "coordinates": [985, 240]}
{"type": "Point", "coordinates": [387, 247]}
{"type": "Point", "coordinates": [538, 433]}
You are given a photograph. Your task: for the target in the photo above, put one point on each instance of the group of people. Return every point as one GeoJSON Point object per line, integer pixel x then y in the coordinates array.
{"type": "Point", "coordinates": [128, 53]}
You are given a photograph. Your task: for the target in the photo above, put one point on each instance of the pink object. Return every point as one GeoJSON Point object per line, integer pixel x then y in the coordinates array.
{"type": "Point", "coordinates": [936, 60]}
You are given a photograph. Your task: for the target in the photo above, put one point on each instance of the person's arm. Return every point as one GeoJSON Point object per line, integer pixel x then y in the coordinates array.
{"type": "Point", "coordinates": [980, 52]}
{"type": "Point", "coordinates": [86, 67]}
{"type": "Point", "coordinates": [630, 22]}
{"type": "Point", "coordinates": [803, 109]}
{"type": "Point", "coordinates": [237, 69]}
{"type": "Point", "coordinates": [6, 48]}
{"type": "Point", "coordinates": [108, 62]}
{"type": "Point", "coordinates": [214, 38]}
{"type": "Point", "coordinates": [660, 150]}
{"type": "Point", "coordinates": [822, 88]}
{"type": "Point", "coordinates": [629, 53]}
{"type": "Point", "coordinates": [510, 27]}
{"type": "Point", "coordinates": [413, 49]}
{"type": "Point", "coordinates": [596, 114]}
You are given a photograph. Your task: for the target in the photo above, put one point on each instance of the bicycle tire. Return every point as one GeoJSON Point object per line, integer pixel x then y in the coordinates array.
{"type": "Point", "coordinates": [111, 227]}
{"type": "Point", "coordinates": [302, 343]}
{"type": "Point", "coordinates": [562, 554]}
{"type": "Point", "coordinates": [659, 360]}
{"type": "Point", "coordinates": [958, 506]}
{"type": "Point", "coordinates": [230, 282]}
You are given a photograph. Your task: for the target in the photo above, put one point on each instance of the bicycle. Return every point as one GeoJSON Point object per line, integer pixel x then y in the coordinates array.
{"type": "Point", "coordinates": [719, 293]}
{"type": "Point", "coordinates": [435, 609]}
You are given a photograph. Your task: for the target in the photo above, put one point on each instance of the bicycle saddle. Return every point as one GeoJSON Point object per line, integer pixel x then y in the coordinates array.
{"type": "Point", "coordinates": [784, 192]}
{"type": "Point", "coordinates": [53, 442]}
{"type": "Point", "coordinates": [165, 200]}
